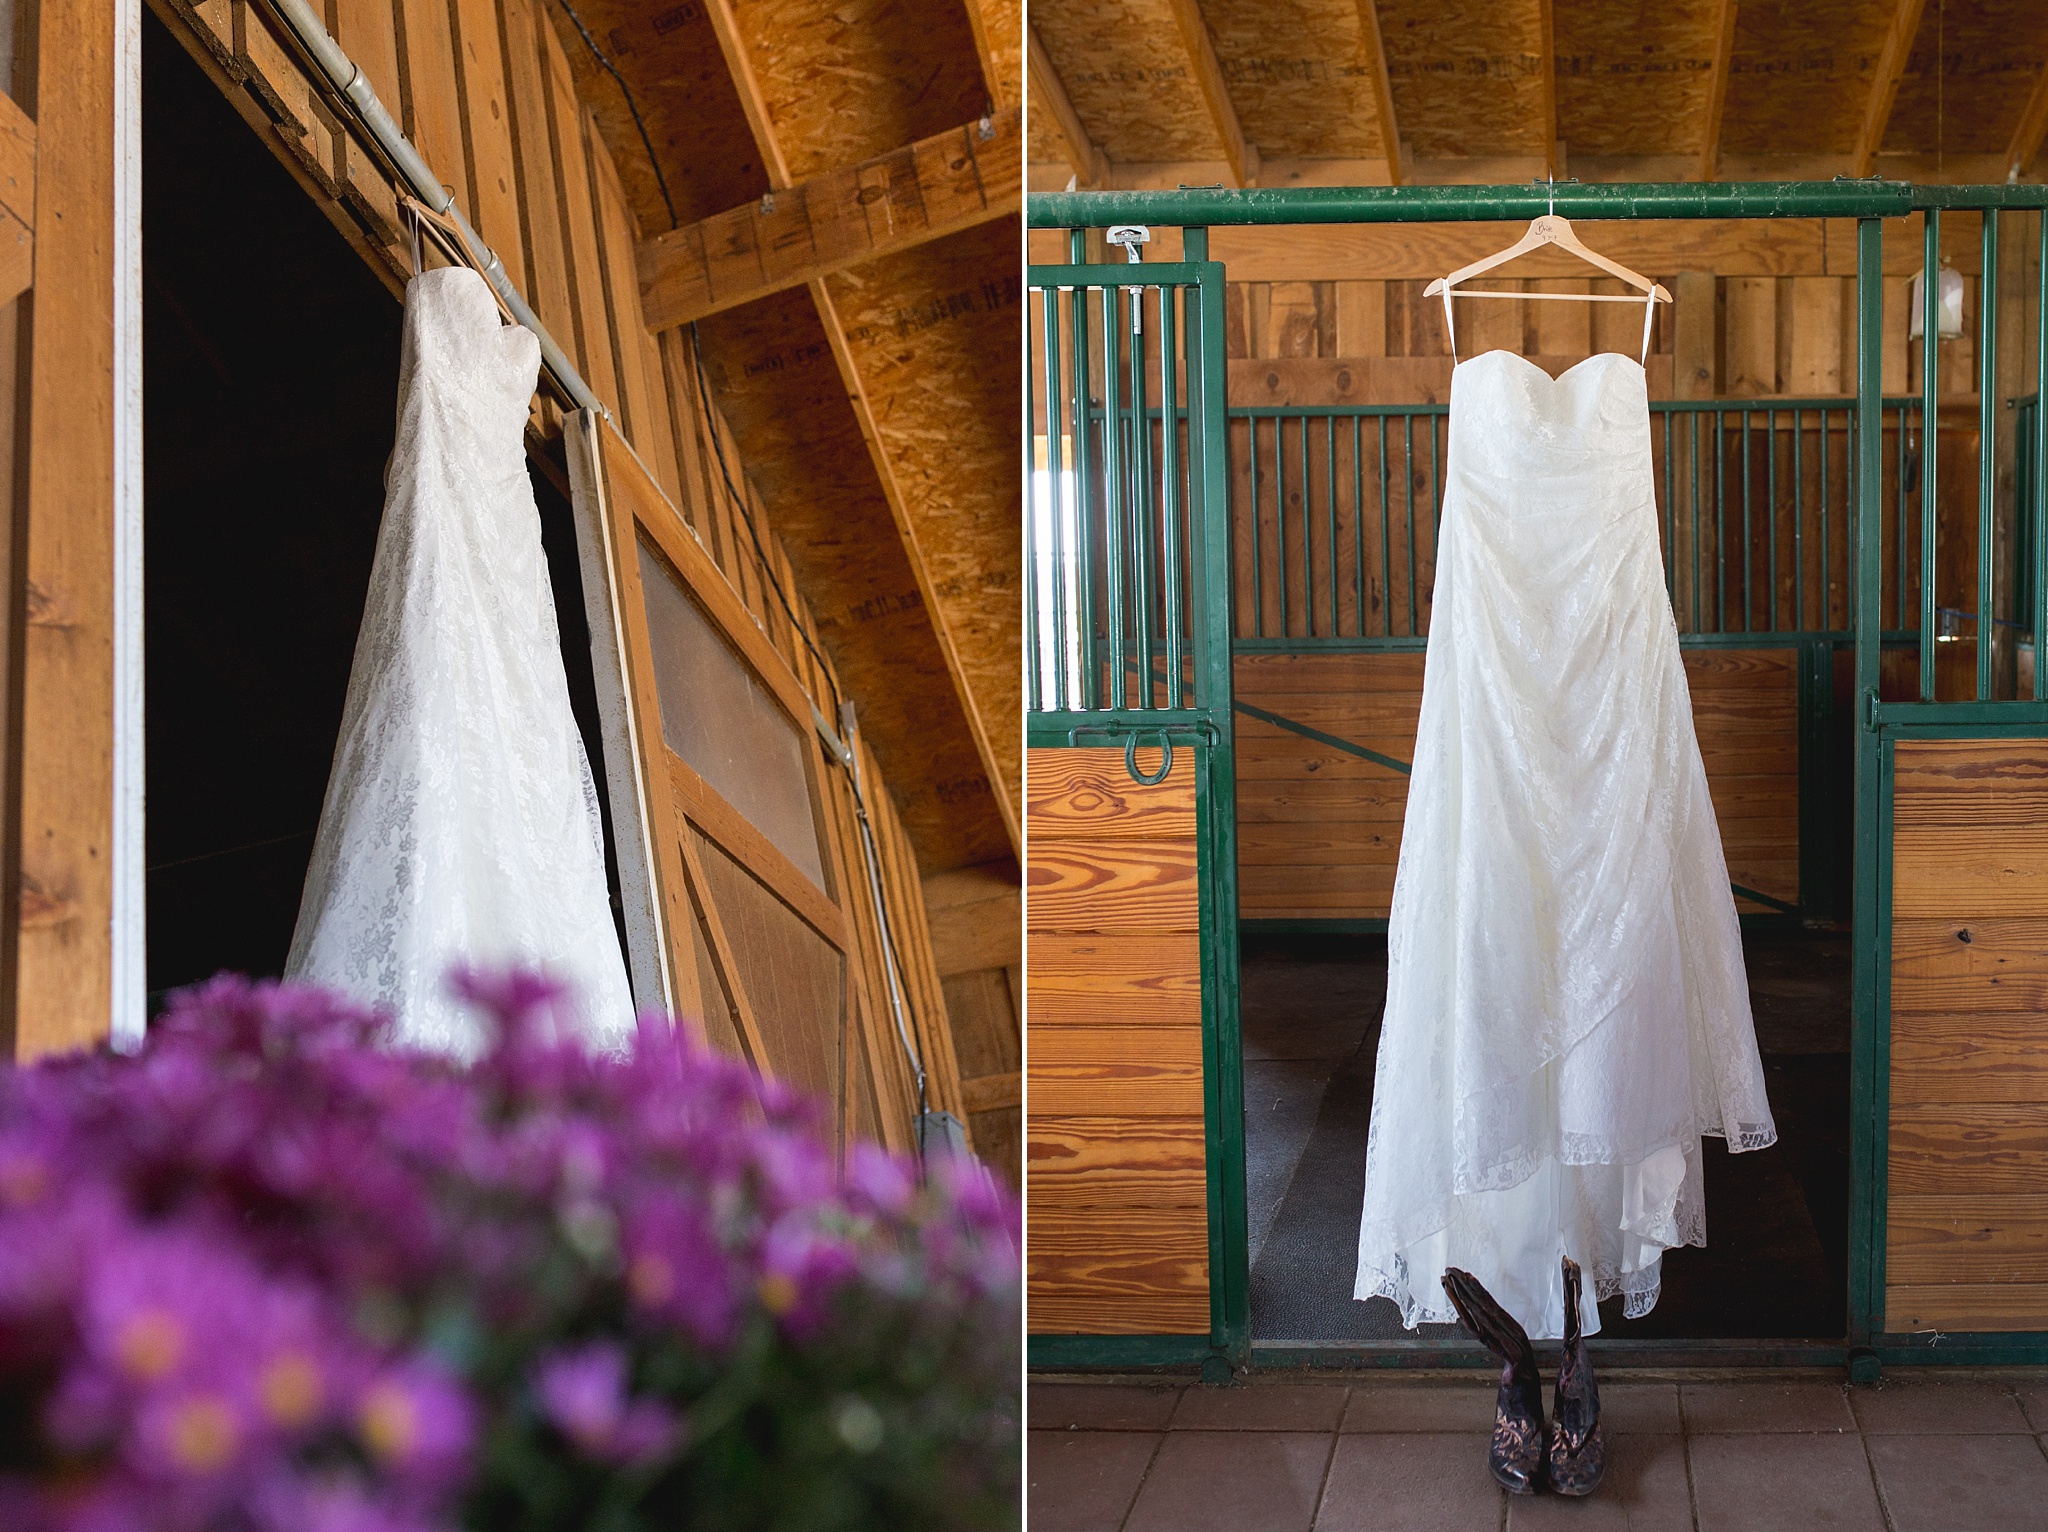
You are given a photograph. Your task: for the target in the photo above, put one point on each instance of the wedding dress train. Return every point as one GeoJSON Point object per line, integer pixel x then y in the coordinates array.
{"type": "Point", "coordinates": [461, 822]}
{"type": "Point", "coordinates": [1567, 1011]}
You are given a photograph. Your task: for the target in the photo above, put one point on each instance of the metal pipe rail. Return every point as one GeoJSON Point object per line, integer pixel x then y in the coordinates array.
{"type": "Point", "coordinates": [1218, 206]}
{"type": "Point", "coordinates": [351, 89]}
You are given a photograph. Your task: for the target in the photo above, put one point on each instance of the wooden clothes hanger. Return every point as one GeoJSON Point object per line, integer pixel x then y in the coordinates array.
{"type": "Point", "coordinates": [447, 235]}
{"type": "Point", "coordinates": [1549, 229]}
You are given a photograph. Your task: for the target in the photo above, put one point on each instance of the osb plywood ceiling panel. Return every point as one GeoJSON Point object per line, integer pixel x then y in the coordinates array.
{"type": "Point", "coordinates": [1128, 76]}
{"type": "Point", "coordinates": [1994, 50]}
{"type": "Point", "coordinates": [1466, 74]}
{"type": "Point", "coordinates": [669, 55]}
{"type": "Point", "coordinates": [923, 327]}
{"type": "Point", "coordinates": [1634, 79]}
{"type": "Point", "coordinates": [773, 375]}
{"type": "Point", "coordinates": [1800, 75]}
{"type": "Point", "coordinates": [1297, 75]}
{"type": "Point", "coordinates": [848, 81]}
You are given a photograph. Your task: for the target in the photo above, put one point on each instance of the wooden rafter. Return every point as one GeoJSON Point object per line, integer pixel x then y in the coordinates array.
{"type": "Point", "coordinates": [1717, 90]}
{"type": "Point", "coordinates": [2031, 129]}
{"type": "Point", "coordinates": [938, 186]}
{"type": "Point", "coordinates": [903, 509]}
{"type": "Point", "coordinates": [1241, 157]}
{"type": "Point", "coordinates": [1546, 80]}
{"type": "Point", "coordinates": [1050, 92]}
{"type": "Point", "coordinates": [1375, 49]}
{"type": "Point", "coordinates": [987, 50]}
{"type": "Point", "coordinates": [1884, 87]}
{"type": "Point", "coordinates": [907, 516]}
{"type": "Point", "coordinates": [752, 101]}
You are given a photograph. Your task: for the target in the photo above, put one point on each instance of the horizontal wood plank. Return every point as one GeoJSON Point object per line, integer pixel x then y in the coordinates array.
{"type": "Point", "coordinates": [1128, 1271]}
{"type": "Point", "coordinates": [1142, 979]}
{"type": "Point", "coordinates": [1966, 1306]}
{"type": "Point", "coordinates": [1955, 783]}
{"type": "Point", "coordinates": [1969, 1057]}
{"type": "Point", "coordinates": [1946, 1149]}
{"type": "Point", "coordinates": [1966, 1239]}
{"type": "Point", "coordinates": [1071, 794]}
{"type": "Point", "coordinates": [1109, 1071]}
{"type": "Point", "coordinates": [1116, 1162]}
{"type": "Point", "coordinates": [1958, 966]}
{"type": "Point", "coordinates": [1992, 867]}
{"type": "Point", "coordinates": [992, 1093]}
{"type": "Point", "coordinates": [1110, 885]}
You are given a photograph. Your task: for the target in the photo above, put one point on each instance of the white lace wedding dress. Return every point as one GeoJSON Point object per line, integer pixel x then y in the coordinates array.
{"type": "Point", "coordinates": [460, 824]}
{"type": "Point", "coordinates": [1567, 1011]}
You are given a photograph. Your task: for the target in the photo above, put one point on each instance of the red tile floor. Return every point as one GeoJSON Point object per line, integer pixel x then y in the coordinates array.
{"type": "Point", "coordinates": [1918, 1453]}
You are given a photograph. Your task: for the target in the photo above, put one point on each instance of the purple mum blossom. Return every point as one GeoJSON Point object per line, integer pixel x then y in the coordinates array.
{"type": "Point", "coordinates": [417, 1423]}
{"type": "Point", "coordinates": [263, 1235]}
{"type": "Point", "coordinates": [675, 1268]}
{"type": "Point", "coordinates": [583, 1394]}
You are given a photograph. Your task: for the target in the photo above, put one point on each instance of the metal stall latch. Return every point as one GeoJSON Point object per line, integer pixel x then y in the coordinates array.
{"type": "Point", "coordinates": [1130, 236]}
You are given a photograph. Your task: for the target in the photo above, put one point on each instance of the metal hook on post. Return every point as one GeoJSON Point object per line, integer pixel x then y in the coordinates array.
{"type": "Point", "coordinates": [1165, 762]}
{"type": "Point", "coordinates": [1130, 236]}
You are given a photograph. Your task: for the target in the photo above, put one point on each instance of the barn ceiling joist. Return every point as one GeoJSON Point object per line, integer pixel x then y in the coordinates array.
{"type": "Point", "coordinates": [1505, 90]}
{"type": "Point", "coordinates": [842, 253]}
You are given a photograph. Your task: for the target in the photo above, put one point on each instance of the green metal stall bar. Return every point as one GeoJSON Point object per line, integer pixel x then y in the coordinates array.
{"type": "Point", "coordinates": [1880, 724]}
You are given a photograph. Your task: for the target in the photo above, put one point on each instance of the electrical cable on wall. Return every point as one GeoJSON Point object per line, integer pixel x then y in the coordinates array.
{"type": "Point", "coordinates": [632, 106]}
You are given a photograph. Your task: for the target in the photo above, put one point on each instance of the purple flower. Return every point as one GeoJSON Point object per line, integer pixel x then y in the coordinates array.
{"type": "Point", "coordinates": [802, 1270]}
{"type": "Point", "coordinates": [676, 1269]}
{"type": "Point", "coordinates": [583, 1394]}
{"type": "Point", "coordinates": [417, 1423]}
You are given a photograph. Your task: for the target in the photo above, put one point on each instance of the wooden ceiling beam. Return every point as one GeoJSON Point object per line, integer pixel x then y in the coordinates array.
{"type": "Point", "coordinates": [1240, 156]}
{"type": "Point", "coordinates": [914, 514]}
{"type": "Point", "coordinates": [1546, 80]}
{"type": "Point", "coordinates": [937, 186]}
{"type": "Point", "coordinates": [1717, 90]}
{"type": "Point", "coordinates": [1374, 46]}
{"type": "Point", "coordinates": [1048, 90]}
{"type": "Point", "coordinates": [752, 101]}
{"type": "Point", "coordinates": [946, 609]}
{"type": "Point", "coordinates": [2031, 129]}
{"type": "Point", "coordinates": [995, 24]}
{"type": "Point", "coordinates": [1884, 86]}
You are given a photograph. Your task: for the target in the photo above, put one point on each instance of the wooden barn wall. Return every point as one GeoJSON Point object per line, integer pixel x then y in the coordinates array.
{"type": "Point", "coordinates": [1319, 829]}
{"type": "Point", "coordinates": [1967, 1231]}
{"type": "Point", "coordinates": [1117, 1201]}
{"type": "Point", "coordinates": [483, 89]}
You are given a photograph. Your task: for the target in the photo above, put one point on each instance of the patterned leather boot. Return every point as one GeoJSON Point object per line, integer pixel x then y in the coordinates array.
{"type": "Point", "coordinates": [1578, 1453]}
{"type": "Point", "coordinates": [1516, 1456]}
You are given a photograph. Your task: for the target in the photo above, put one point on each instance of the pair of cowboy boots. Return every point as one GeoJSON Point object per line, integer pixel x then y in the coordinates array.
{"type": "Point", "coordinates": [1571, 1455]}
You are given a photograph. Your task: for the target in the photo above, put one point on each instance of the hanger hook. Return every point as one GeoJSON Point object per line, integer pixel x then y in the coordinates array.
{"type": "Point", "coordinates": [1553, 194]}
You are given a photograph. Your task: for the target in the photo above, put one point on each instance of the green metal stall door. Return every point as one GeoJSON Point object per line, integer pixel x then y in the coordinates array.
{"type": "Point", "coordinates": [1136, 1184]}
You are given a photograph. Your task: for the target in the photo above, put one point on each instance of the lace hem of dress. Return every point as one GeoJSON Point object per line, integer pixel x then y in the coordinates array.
{"type": "Point", "coordinates": [1638, 1290]}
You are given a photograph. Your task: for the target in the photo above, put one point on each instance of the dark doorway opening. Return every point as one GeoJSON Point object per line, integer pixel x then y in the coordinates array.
{"type": "Point", "coordinates": [1775, 1265]}
{"type": "Point", "coordinates": [270, 379]}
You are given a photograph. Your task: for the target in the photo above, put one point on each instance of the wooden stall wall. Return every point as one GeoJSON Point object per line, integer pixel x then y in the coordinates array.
{"type": "Point", "coordinates": [1116, 1199]}
{"type": "Point", "coordinates": [484, 90]}
{"type": "Point", "coordinates": [1319, 827]}
{"type": "Point", "coordinates": [1967, 1229]}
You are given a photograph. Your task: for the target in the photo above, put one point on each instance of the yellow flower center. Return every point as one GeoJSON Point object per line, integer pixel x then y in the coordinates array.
{"type": "Point", "coordinates": [652, 1280]}
{"type": "Point", "coordinates": [778, 1293]}
{"type": "Point", "coordinates": [203, 1433]}
{"type": "Point", "coordinates": [391, 1423]}
{"type": "Point", "coordinates": [291, 1389]}
{"type": "Point", "coordinates": [150, 1344]}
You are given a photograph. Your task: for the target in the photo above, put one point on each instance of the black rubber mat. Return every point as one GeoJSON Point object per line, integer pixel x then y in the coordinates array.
{"type": "Point", "coordinates": [1775, 1262]}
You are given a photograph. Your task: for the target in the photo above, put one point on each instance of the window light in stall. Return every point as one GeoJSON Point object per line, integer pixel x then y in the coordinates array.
{"type": "Point", "coordinates": [1950, 324]}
